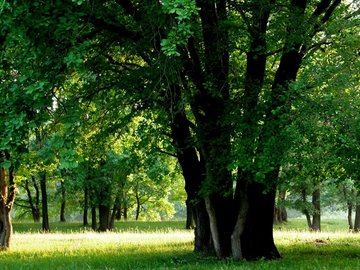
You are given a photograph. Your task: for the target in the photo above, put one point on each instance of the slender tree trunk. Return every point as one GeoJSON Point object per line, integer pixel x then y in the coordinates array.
{"type": "Point", "coordinates": [349, 208]}
{"type": "Point", "coordinates": [349, 216]}
{"type": "Point", "coordinates": [118, 213]}
{"type": "Point", "coordinates": [93, 218]}
{"type": "Point", "coordinates": [118, 210]}
{"type": "Point", "coordinates": [44, 202]}
{"type": "Point", "coordinates": [316, 224]}
{"type": "Point", "coordinates": [125, 208]}
{"type": "Point", "coordinates": [305, 210]}
{"type": "Point", "coordinates": [37, 199]}
{"type": "Point", "coordinates": [35, 211]}
{"type": "Point", "coordinates": [112, 219]}
{"type": "Point", "coordinates": [138, 205]}
{"type": "Point", "coordinates": [114, 211]}
{"type": "Point", "coordinates": [357, 218]}
{"type": "Point", "coordinates": [86, 207]}
{"type": "Point", "coordinates": [281, 213]}
{"type": "Point", "coordinates": [63, 203]}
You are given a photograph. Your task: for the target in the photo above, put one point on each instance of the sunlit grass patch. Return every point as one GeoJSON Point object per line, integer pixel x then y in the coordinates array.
{"type": "Point", "coordinates": [95, 250]}
{"type": "Point", "coordinates": [92, 240]}
{"type": "Point", "coordinates": [327, 225]}
{"type": "Point", "coordinates": [165, 246]}
{"type": "Point", "coordinates": [120, 226]}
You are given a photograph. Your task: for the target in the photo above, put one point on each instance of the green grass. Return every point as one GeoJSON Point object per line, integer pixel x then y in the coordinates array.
{"type": "Point", "coordinates": [156, 245]}
{"type": "Point", "coordinates": [327, 225]}
{"type": "Point", "coordinates": [122, 226]}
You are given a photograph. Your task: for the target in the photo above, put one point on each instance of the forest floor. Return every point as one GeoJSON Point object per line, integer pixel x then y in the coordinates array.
{"type": "Point", "coordinates": [166, 245]}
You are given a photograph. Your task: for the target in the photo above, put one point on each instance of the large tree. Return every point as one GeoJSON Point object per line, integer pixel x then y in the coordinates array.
{"type": "Point", "coordinates": [218, 73]}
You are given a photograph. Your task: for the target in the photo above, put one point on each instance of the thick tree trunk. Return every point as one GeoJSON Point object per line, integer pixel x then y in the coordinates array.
{"type": "Point", "coordinates": [257, 239]}
{"type": "Point", "coordinates": [241, 198]}
{"type": "Point", "coordinates": [7, 197]}
{"type": "Point", "coordinates": [44, 202]}
{"type": "Point", "coordinates": [63, 203]}
{"type": "Point", "coordinates": [104, 218]}
{"type": "Point", "coordinates": [6, 229]}
{"type": "Point", "coordinates": [104, 197]}
{"type": "Point", "coordinates": [86, 207]}
{"type": "Point", "coordinates": [190, 220]}
{"type": "Point", "coordinates": [222, 221]}
{"type": "Point", "coordinates": [316, 222]}
{"type": "Point", "coordinates": [203, 242]}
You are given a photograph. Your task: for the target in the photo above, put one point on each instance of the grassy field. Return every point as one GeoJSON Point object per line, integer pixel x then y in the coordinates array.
{"type": "Point", "coordinates": [165, 245]}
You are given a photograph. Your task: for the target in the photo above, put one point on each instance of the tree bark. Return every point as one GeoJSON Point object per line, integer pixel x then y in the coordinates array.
{"type": "Point", "coordinates": [86, 207]}
{"type": "Point", "coordinates": [242, 198]}
{"type": "Point", "coordinates": [357, 218]}
{"type": "Point", "coordinates": [119, 207]}
{"type": "Point", "coordinates": [138, 204]}
{"type": "Point", "coordinates": [104, 218]}
{"type": "Point", "coordinates": [282, 213]}
{"type": "Point", "coordinates": [63, 203]}
{"type": "Point", "coordinates": [93, 218]}
{"type": "Point", "coordinates": [203, 242]}
{"type": "Point", "coordinates": [125, 208]}
{"type": "Point", "coordinates": [7, 197]}
{"type": "Point", "coordinates": [44, 202]}
{"type": "Point", "coordinates": [349, 204]}
{"type": "Point", "coordinates": [190, 220]}
{"type": "Point", "coordinates": [193, 171]}
{"type": "Point", "coordinates": [35, 206]}
{"type": "Point", "coordinates": [257, 239]}
{"type": "Point", "coordinates": [115, 209]}
{"type": "Point", "coordinates": [118, 214]}
{"type": "Point", "coordinates": [316, 222]}
{"type": "Point", "coordinates": [349, 217]}
{"type": "Point", "coordinates": [305, 210]}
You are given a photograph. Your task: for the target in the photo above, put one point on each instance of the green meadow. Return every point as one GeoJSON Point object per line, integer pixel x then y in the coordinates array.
{"type": "Point", "coordinates": [166, 245]}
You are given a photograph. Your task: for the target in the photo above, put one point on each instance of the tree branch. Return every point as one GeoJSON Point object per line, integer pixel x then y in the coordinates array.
{"type": "Point", "coordinates": [330, 11]}
{"type": "Point", "coordinates": [321, 7]}
{"type": "Point", "coordinates": [167, 153]}
{"type": "Point", "coordinates": [129, 9]}
{"type": "Point", "coordinates": [116, 29]}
